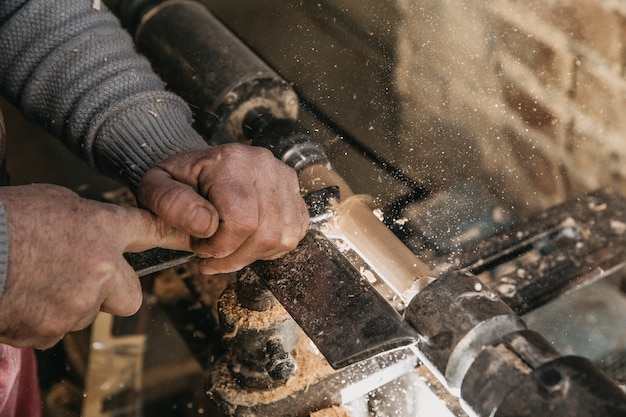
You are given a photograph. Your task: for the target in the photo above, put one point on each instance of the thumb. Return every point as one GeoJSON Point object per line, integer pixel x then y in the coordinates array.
{"type": "Point", "coordinates": [177, 203]}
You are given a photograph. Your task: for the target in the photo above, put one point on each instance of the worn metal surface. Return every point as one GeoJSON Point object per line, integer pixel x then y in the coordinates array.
{"type": "Point", "coordinates": [157, 259]}
{"type": "Point", "coordinates": [524, 376]}
{"type": "Point", "coordinates": [501, 367]}
{"type": "Point", "coordinates": [569, 245]}
{"type": "Point", "coordinates": [481, 349]}
{"type": "Point", "coordinates": [456, 316]}
{"type": "Point", "coordinates": [569, 386]}
{"type": "Point", "coordinates": [343, 315]}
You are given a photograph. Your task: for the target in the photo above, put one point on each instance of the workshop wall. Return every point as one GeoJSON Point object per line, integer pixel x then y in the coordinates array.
{"type": "Point", "coordinates": [522, 99]}
{"type": "Point", "coordinates": [525, 98]}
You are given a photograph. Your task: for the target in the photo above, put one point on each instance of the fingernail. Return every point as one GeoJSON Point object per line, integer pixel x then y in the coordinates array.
{"type": "Point", "coordinates": [203, 222]}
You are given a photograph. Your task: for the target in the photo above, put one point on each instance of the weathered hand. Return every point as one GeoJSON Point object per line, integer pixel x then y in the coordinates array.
{"type": "Point", "coordinates": [66, 263]}
{"type": "Point", "coordinates": [239, 202]}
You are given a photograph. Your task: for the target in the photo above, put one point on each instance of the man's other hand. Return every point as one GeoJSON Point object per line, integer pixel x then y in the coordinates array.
{"type": "Point", "coordinates": [238, 202]}
{"type": "Point", "coordinates": [66, 261]}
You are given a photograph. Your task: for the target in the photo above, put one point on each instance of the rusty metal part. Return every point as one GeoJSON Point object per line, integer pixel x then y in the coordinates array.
{"type": "Point", "coordinates": [251, 294]}
{"type": "Point", "coordinates": [502, 367]}
{"type": "Point", "coordinates": [480, 346]}
{"type": "Point", "coordinates": [484, 354]}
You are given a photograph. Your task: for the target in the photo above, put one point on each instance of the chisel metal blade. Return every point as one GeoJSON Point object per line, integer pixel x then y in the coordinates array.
{"type": "Point", "coordinates": [157, 259]}
{"type": "Point", "coordinates": [335, 306]}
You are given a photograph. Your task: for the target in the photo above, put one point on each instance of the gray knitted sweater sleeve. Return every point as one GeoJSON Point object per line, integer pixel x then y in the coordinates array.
{"type": "Point", "coordinates": [74, 70]}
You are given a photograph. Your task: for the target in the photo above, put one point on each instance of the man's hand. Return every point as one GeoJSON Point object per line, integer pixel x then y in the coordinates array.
{"type": "Point", "coordinates": [66, 263]}
{"type": "Point", "coordinates": [239, 202]}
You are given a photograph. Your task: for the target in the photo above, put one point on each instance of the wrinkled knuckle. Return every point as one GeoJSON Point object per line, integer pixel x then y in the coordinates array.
{"type": "Point", "coordinates": [298, 223]}
{"type": "Point", "coordinates": [276, 241]}
{"type": "Point", "coordinates": [243, 225]}
{"type": "Point", "coordinates": [103, 271]}
{"type": "Point", "coordinates": [287, 242]}
{"type": "Point", "coordinates": [104, 217]}
{"type": "Point", "coordinates": [165, 201]}
{"type": "Point", "coordinates": [81, 305]}
{"type": "Point", "coordinates": [164, 230]}
{"type": "Point", "coordinates": [233, 152]}
{"type": "Point", "coordinates": [102, 275]}
{"type": "Point", "coordinates": [269, 246]}
{"type": "Point", "coordinates": [266, 155]}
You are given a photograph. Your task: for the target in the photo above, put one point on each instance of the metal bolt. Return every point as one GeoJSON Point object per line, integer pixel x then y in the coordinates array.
{"type": "Point", "coordinates": [280, 365]}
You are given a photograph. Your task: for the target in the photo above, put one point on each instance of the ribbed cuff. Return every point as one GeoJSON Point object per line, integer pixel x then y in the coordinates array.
{"type": "Point", "coordinates": [141, 134]}
{"type": "Point", "coordinates": [4, 248]}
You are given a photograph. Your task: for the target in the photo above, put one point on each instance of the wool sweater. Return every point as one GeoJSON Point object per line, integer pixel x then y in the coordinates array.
{"type": "Point", "coordinates": [73, 70]}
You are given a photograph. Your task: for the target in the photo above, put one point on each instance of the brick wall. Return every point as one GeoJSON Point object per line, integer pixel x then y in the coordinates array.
{"type": "Point", "coordinates": [525, 97]}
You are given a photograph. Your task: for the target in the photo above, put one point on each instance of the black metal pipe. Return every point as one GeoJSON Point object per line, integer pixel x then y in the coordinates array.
{"type": "Point", "coordinates": [206, 64]}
